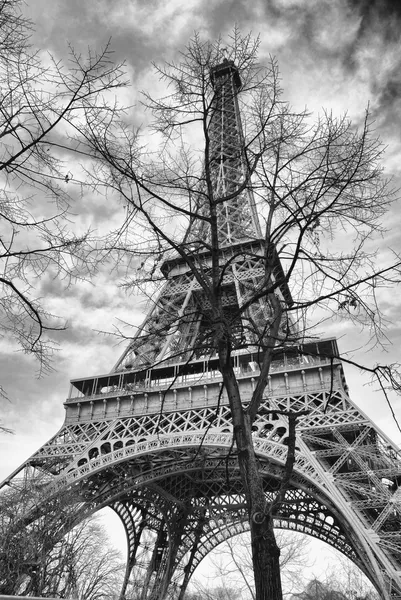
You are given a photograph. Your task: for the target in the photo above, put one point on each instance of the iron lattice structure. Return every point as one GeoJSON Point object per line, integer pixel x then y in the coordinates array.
{"type": "Point", "coordinates": [153, 438]}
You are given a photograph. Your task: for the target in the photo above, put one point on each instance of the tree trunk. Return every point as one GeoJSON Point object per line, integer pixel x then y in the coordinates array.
{"type": "Point", "coordinates": [265, 551]}
{"type": "Point", "coordinates": [266, 560]}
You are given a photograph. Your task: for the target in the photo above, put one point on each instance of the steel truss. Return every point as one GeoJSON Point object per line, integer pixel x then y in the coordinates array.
{"type": "Point", "coordinates": [153, 438]}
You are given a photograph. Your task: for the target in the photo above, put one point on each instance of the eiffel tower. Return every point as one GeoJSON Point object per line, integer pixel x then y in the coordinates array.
{"type": "Point", "coordinates": [153, 440]}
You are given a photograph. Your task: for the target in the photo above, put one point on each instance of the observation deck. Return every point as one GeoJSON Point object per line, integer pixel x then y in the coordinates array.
{"type": "Point", "coordinates": [294, 370]}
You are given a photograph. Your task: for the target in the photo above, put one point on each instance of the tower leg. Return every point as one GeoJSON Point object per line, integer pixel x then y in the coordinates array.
{"type": "Point", "coordinates": [188, 567]}
{"type": "Point", "coordinates": [154, 574]}
{"type": "Point", "coordinates": [163, 561]}
{"type": "Point", "coordinates": [134, 521]}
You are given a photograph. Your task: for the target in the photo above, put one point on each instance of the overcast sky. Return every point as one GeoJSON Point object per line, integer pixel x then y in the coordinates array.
{"type": "Point", "coordinates": [333, 54]}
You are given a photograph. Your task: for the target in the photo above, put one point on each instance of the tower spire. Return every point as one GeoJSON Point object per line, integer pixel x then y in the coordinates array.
{"type": "Point", "coordinates": [226, 164]}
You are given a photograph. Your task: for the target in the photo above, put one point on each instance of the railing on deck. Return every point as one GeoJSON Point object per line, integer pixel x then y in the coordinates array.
{"type": "Point", "coordinates": [152, 383]}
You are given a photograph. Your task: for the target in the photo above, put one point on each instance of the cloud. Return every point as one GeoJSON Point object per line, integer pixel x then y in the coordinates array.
{"type": "Point", "coordinates": [140, 31]}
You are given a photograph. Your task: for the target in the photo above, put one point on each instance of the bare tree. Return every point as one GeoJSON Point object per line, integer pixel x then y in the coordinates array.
{"type": "Point", "coordinates": [27, 538]}
{"type": "Point", "coordinates": [343, 581]}
{"type": "Point", "coordinates": [225, 592]}
{"type": "Point", "coordinates": [232, 564]}
{"type": "Point", "coordinates": [346, 582]}
{"type": "Point", "coordinates": [318, 189]}
{"type": "Point", "coordinates": [317, 590]}
{"type": "Point", "coordinates": [84, 565]}
{"type": "Point", "coordinates": [46, 554]}
{"type": "Point", "coordinates": [39, 106]}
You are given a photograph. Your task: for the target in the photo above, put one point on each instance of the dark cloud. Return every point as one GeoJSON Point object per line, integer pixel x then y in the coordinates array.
{"type": "Point", "coordinates": [28, 393]}
{"type": "Point", "coordinates": [388, 110]}
{"type": "Point", "coordinates": [384, 15]}
{"type": "Point", "coordinates": [88, 295]}
{"type": "Point", "coordinates": [53, 287]}
{"type": "Point", "coordinates": [376, 47]}
{"type": "Point", "coordinates": [220, 17]}
{"type": "Point", "coordinates": [356, 40]}
{"type": "Point", "coordinates": [137, 35]}
{"type": "Point", "coordinates": [391, 92]}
